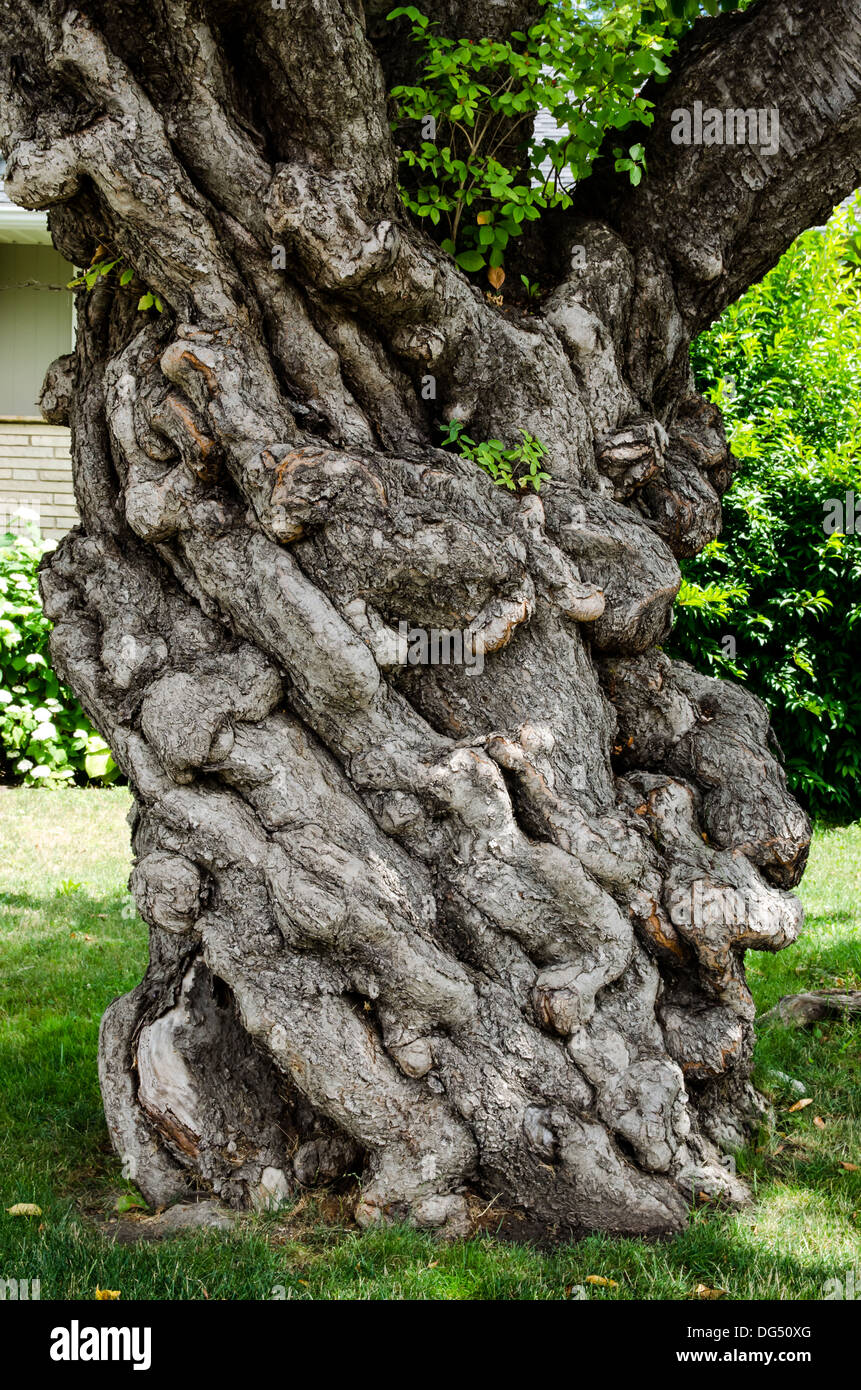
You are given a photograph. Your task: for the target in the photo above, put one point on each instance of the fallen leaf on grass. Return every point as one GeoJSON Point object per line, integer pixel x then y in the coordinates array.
{"type": "Point", "coordinates": [107, 1293]}
{"type": "Point", "coordinates": [818, 1121]}
{"type": "Point", "coordinates": [703, 1291]}
{"type": "Point", "coordinates": [600, 1282]}
{"type": "Point", "coordinates": [128, 1201]}
{"type": "Point", "coordinates": [800, 1105]}
{"type": "Point", "coordinates": [24, 1209]}
{"type": "Point", "coordinates": [850, 1167]}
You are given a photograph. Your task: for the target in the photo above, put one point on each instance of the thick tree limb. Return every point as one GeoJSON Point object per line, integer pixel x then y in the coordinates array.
{"type": "Point", "coordinates": [720, 215]}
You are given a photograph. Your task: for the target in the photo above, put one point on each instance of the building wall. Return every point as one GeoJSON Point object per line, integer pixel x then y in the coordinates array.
{"type": "Point", "coordinates": [36, 477]}
{"type": "Point", "coordinates": [36, 323]}
{"type": "Point", "coordinates": [36, 326]}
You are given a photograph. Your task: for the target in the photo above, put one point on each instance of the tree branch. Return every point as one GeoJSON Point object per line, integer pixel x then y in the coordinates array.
{"type": "Point", "coordinates": [721, 215]}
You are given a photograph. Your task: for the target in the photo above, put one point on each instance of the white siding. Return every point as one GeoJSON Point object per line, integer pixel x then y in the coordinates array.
{"type": "Point", "coordinates": [35, 323]}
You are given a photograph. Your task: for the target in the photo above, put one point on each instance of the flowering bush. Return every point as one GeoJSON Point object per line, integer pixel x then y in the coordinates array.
{"type": "Point", "coordinates": [45, 737]}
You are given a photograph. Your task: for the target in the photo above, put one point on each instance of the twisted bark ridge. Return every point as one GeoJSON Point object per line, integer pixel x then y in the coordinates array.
{"type": "Point", "coordinates": [472, 932]}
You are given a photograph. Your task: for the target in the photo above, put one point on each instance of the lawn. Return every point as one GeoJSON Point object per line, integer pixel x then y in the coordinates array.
{"type": "Point", "coordinates": [70, 941]}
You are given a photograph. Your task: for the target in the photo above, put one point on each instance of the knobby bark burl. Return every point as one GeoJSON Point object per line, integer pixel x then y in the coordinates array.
{"type": "Point", "coordinates": [434, 926]}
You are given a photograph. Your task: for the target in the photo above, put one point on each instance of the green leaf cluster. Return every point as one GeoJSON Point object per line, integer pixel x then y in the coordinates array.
{"type": "Point", "coordinates": [784, 365]}
{"type": "Point", "coordinates": [517, 468]}
{"type": "Point", "coordinates": [477, 175]}
{"type": "Point", "coordinates": [102, 265]}
{"type": "Point", "coordinates": [45, 737]}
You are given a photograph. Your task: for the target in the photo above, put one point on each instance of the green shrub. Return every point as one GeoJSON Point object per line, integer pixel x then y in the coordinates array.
{"type": "Point", "coordinates": [45, 738]}
{"type": "Point", "coordinates": [784, 365]}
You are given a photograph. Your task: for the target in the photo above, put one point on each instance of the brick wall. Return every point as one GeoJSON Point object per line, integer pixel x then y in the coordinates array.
{"type": "Point", "coordinates": [36, 476]}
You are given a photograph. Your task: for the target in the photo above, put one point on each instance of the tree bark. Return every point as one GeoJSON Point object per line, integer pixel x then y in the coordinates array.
{"type": "Point", "coordinates": [470, 934]}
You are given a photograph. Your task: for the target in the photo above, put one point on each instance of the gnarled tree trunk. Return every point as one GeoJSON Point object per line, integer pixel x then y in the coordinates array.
{"type": "Point", "coordinates": [441, 926]}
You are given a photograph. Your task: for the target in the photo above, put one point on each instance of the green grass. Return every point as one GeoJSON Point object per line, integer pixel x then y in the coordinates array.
{"type": "Point", "coordinates": [70, 942]}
